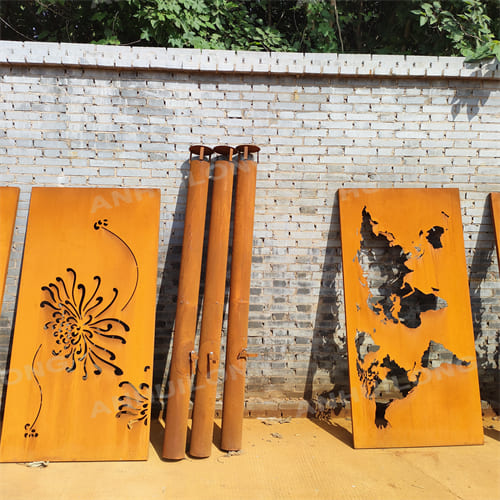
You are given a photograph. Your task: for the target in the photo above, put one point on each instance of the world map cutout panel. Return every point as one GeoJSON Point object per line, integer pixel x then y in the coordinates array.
{"type": "Point", "coordinates": [79, 383]}
{"type": "Point", "coordinates": [8, 209]}
{"type": "Point", "coordinates": [412, 361]}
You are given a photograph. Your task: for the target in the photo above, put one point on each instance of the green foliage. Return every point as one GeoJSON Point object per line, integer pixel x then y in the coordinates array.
{"type": "Point", "coordinates": [96, 21]}
{"type": "Point", "coordinates": [319, 33]}
{"type": "Point", "coordinates": [374, 26]}
{"type": "Point", "coordinates": [205, 24]}
{"type": "Point", "coordinates": [466, 25]}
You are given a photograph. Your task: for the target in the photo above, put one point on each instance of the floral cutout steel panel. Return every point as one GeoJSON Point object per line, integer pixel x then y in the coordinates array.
{"type": "Point", "coordinates": [8, 208]}
{"type": "Point", "coordinates": [412, 363]}
{"type": "Point", "coordinates": [79, 385]}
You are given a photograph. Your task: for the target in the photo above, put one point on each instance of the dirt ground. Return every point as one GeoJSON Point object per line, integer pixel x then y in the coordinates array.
{"type": "Point", "coordinates": [300, 459]}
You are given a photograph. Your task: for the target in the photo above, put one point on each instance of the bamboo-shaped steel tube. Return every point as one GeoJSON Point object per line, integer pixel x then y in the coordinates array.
{"type": "Point", "coordinates": [241, 263]}
{"type": "Point", "coordinates": [213, 306]}
{"type": "Point", "coordinates": [183, 354]}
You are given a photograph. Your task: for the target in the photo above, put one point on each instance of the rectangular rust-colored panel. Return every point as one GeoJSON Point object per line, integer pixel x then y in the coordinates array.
{"type": "Point", "coordinates": [8, 209]}
{"type": "Point", "coordinates": [495, 209]}
{"type": "Point", "coordinates": [79, 385]}
{"type": "Point", "coordinates": [412, 362]}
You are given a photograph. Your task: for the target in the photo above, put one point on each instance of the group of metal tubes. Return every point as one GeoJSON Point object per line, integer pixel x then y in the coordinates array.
{"type": "Point", "coordinates": [206, 362]}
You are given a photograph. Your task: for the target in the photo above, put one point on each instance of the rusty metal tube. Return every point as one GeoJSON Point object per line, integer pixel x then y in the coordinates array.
{"type": "Point", "coordinates": [9, 197]}
{"type": "Point", "coordinates": [213, 306]}
{"type": "Point", "coordinates": [183, 355]}
{"type": "Point", "coordinates": [241, 263]}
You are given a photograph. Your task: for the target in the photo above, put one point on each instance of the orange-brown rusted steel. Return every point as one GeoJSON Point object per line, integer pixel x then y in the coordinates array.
{"type": "Point", "coordinates": [183, 354]}
{"type": "Point", "coordinates": [8, 209]}
{"type": "Point", "coordinates": [213, 306]}
{"type": "Point", "coordinates": [412, 360]}
{"type": "Point", "coordinates": [79, 385]}
{"type": "Point", "coordinates": [237, 331]}
{"type": "Point", "coordinates": [495, 209]}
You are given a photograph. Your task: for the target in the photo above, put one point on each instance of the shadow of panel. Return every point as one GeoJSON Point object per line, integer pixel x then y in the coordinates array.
{"type": "Point", "coordinates": [486, 310]}
{"type": "Point", "coordinates": [492, 433]}
{"type": "Point", "coordinates": [156, 436]}
{"type": "Point", "coordinates": [336, 430]}
{"type": "Point", "coordinates": [327, 379]}
{"type": "Point", "coordinates": [167, 298]}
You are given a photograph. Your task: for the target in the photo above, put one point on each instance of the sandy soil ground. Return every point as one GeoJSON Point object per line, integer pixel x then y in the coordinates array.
{"type": "Point", "coordinates": [300, 459]}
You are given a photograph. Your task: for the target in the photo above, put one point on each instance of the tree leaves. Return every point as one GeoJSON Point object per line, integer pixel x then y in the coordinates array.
{"type": "Point", "coordinates": [466, 25]}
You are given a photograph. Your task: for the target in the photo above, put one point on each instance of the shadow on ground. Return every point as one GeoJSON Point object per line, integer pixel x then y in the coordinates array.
{"type": "Point", "coordinates": [492, 433]}
{"type": "Point", "coordinates": [336, 430]}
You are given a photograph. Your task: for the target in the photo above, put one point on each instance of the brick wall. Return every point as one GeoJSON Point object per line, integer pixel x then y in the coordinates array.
{"type": "Point", "coordinates": [84, 115]}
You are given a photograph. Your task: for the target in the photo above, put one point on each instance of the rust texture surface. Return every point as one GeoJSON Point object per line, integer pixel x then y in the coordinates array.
{"type": "Point", "coordinates": [8, 209]}
{"type": "Point", "coordinates": [495, 210]}
{"type": "Point", "coordinates": [239, 300]}
{"type": "Point", "coordinates": [412, 363]}
{"type": "Point", "coordinates": [79, 385]}
{"type": "Point", "coordinates": [183, 355]}
{"type": "Point", "coordinates": [213, 310]}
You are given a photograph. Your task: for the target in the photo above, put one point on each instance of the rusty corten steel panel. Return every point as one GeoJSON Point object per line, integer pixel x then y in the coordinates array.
{"type": "Point", "coordinates": [495, 209]}
{"type": "Point", "coordinates": [79, 385]}
{"type": "Point", "coordinates": [412, 362]}
{"type": "Point", "coordinates": [8, 209]}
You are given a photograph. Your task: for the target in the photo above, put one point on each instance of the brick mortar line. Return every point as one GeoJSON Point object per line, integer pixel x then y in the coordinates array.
{"type": "Point", "coordinates": [242, 72]}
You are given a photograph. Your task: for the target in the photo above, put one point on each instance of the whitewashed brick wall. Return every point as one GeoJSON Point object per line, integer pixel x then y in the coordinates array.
{"type": "Point", "coordinates": [86, 115]}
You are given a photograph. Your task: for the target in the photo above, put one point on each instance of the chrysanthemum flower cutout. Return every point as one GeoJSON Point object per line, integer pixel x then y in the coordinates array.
{"type": "Point", "coordinates": [80, 324]}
